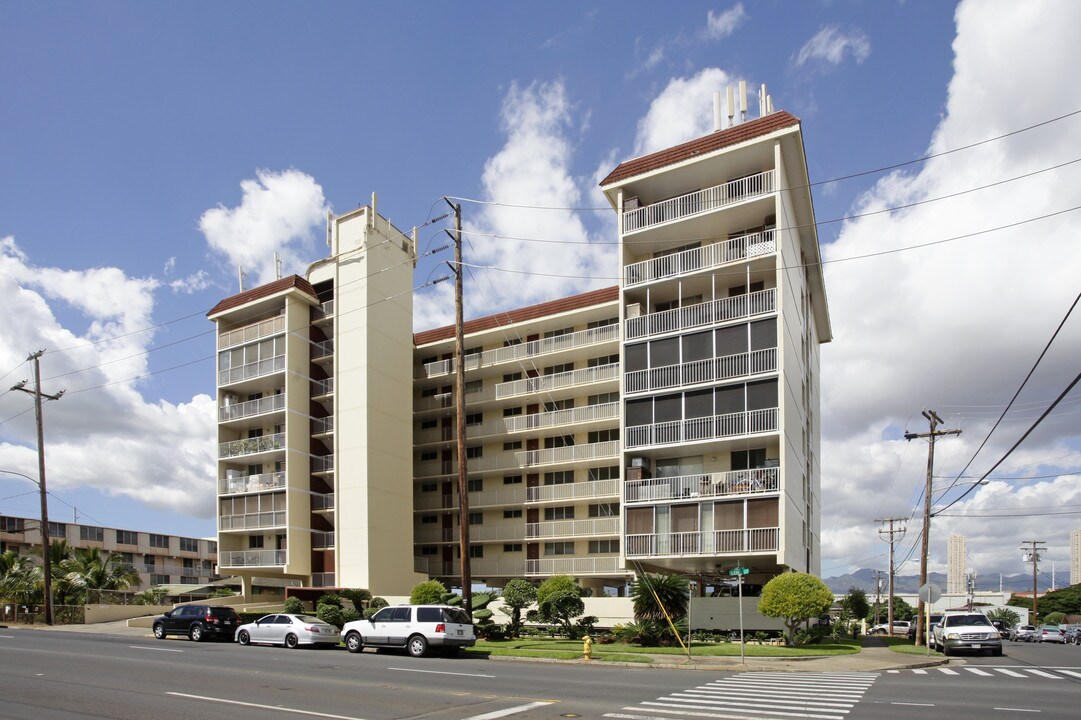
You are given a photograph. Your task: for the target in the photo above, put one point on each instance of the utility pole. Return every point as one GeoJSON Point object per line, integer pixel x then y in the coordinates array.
{"type": "Point", "coordinates": [459, 412]}
{"type": "Point", "coordinates": [46, 560]}
{"type": "Point", "coordinates": [934, 420]}
{"type": "Point", "coordinates": [900, 530]}
{"type": "Point", "coordinates": [1032, 555]}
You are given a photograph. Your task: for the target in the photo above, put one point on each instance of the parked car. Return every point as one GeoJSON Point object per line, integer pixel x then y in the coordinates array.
{"type": "Point", "coordinates": [1050, 634]}
{"type": "Point", "coordinates": [1070, 634]}
{"type": "Point", "coordinates": [198, 622]}
{"type": "Point", "coordinates": [1003, 630]}
{"type": "Point", "coordinates": [966, 631]}
{"type": "Point", "coordinates": [1022, 633]}
{"type": "Point", "coordinates": [934, 618]}
{"type": "Point", "coordinates": [287, 629]}
{"type": "Point", "coordinates": [413, 627]}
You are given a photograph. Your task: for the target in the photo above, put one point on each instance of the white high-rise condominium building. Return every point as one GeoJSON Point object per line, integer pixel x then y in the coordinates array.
{"type": "Point", "coordinates": [1075, 557]}
{"type": "Point", "coordinates": [667, 424]}
{"type": "Point", "coordinates": [956, 560]}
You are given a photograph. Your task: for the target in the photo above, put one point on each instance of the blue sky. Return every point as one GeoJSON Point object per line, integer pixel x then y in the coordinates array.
{"type": "Point", "coordinates": [147, 149]}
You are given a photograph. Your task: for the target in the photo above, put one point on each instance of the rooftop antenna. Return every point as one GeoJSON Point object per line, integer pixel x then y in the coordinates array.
{"type": "Point", "coordinates": [240, 277]}
{"type": "Point", "coordinates": [731, 107]}
{"type": "Point", "coordinates": [742, 100]}
{"type": "Point", "coordinates": [330, 228]}
{"type": "Point", "coordinates": [763, 102]}
{"type": "Point", "coordinates": [277, 266]}
{"type": "Point", "coordinates": [717, 110]}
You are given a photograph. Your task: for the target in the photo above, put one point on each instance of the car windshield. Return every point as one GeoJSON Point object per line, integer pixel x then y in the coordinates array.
{"type": "Point", "coordinates": [967, 620]}
{"type": "Point", "coordinates": [456, 615]}
{"type": "Point", "coordinates": [308, 619]}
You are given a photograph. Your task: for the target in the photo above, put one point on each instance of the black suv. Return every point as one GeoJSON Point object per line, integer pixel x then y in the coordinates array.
{"type": "Point", "coordinates": [198, 622]}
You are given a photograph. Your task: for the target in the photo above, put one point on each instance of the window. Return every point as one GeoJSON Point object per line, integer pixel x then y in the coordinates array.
{"type": "Point", "coordinates": [748, 459]}
{"type": "Point", "coordinates": [159, 579]}
{"type": "Point", "coordinates": [559, 513]}
{"type": "Point", "coordinates": [558, 441]}
{"type": "Point", "coordinates": [428, 424]}
{"type": "Point", "coordinates": [600, 510]}
{"type": "Point", "coordinates": [127, 558]}
{"type": "Point", "coordinates": [476, 551]}
{"type": "Point", "coordinates": [11, 525]}
{"type": "Point", "coordinates": [255, 542]}
{"type": "Point", "coordinates": [610, 472]}
{"type": "Point", "coordinates": [512, 479]}
{"type": "Point", "coordinates": [559, 548]}
{"type": "Point", "coordinates": [512, 445]}
{"type": "Point", "coordinates": [472, 351]}
{"type": "Point", "coordinates": [558, 333]}
{"type": "Point", "coordinates": [598, 436]}
{"type": "Point", "coordinates": [603, 360]}
{"type": "Point", "coordinates": [511, 377]}
{"type": "Point", "coordinates": [512, 342]}
{"type": "Point", "coordinates": [512, 411]}
{"type": "Point", "coordinates": [127, 537]}
{"type": "Point", "coordinates": [429, 487]}
{"type": "Point", "coordinates": [94, 534]}
{"type": "Point", "coordinates": [428, 519]}
{"type": "Point", "coordinates": [476, 518]}
{"type": "Point", "coordinates": [562, 477]}
{"type": "Point", "coordinates": [429, 550]}
{"type": "Point", "coordinates": [603, 398]}
{"type": "Point", "coordinates": [473, 386]}
{"type": "Point", "coordinates": [517, 513]}
{"type": "Point", "coordinates": [474, 452]}
{"type": "Point", "coordinates": [553, 405]}
{"type": "Point", "coordinates": [602, 323]}
{"type": "Point", "coordinates": [57, 530]}
{"type": "Point", "coordinates": [474, 485]}
{"type": "Point", "coordinates": [512, 547]}
{"type": "Point", "coordinates": [189, 579]}
{"type": "Point", "coordinates": [603, 546]}
{"type": "Point", "coordinates": [560, 368]}
{"type": "Point", "coordinates": [430, 455]}
{"type": "Point", "coordinates": [189, 564]}
{"type": "Point", "coordinates": [474, 418]}
{"type": "Point", "coordinates": [189, 545]}
{"type": "Point", "coordinates": [428, 392]}
{"type": "Point", "coordinates": [159, 541]}
{"type": "Point", "coordinates": [149, 562]}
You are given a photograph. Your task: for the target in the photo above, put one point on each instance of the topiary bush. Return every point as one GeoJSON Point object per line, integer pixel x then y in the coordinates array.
{"type": "Point", "coordinates": [330, 614]}
{"type": "Point", "coordinates": [293, 605]}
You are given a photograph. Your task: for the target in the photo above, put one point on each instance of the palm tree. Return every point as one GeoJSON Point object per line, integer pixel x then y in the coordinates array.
{"type": "Point", "coordinates": [59, 551]}
{"type": "Point", "coordinates": [360, 597]}
{"type": "Point", "coordinates": [20, 579]}
{"type": "Point", "coordinates": [654, 595]}
{"type": "Point", "coordinates": [89, 572]}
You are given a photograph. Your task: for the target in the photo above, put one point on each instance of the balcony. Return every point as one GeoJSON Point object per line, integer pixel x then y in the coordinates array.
{"type": "Point", "coordinates": [236, 411]}
{"type": "Point", "coordinates": [481, 568]}
{"type": "Point", "coordinates": [574, 566]}
{"type": "Point", "coordinates": [547, 383]}
{"type": "Point", "coordinates": [750, 422]}
{"type": "Point", "coordinates": [322, 387]}
{"type": "Point", "coordinates": [446, 400]}
{"type": "Point", "coordinates": [503, 532]}
{"type": "Point", "coordinates": [251, 370]}
{"type": "Point", "coordinates": [700, 259]}
{"type": "Point", "coordinates": [322, 540]}
{"type": "Point", "coordinates": [697, 372]}
{"type": "Point", "coordinates": [568, 454]}
{"type": "Point", "coordinates": [251, 333]}
{"type": "Point", "coordinates": [324, 580]}
{"type": "Point", "coordinates": [487, 498]}
{"type": "Point", "coordinates": [718, 542]}
{"type": "Point", "coordinates": [573, 491]}
{"type": "Point", "coordinates": [709, 485]}
{"type": "Point", "coordinates": [713, 312]}
{"type": "Point", "coordinates": [700, 201]}
{"type": "Point", "coordinates": [573, 528]}
{"type": "Point", "coordinates": [322, 464]}
{"type": "Point", "coordinates": [251, 521]}
{"type": "Point", "coordinates": [251, 446]}
{"type": "Point", "coordinates": [323, 313]}
{"type": "Point", "coordinates": [521, 351]}
{"type": "Point", "coordinates": [251, 483]}
{"type": "Point", "coordinates": [322, 350]}
{"type": "Point", "coordinates": [323, 426]}
{"type": "Point", "coordinates": [561, 418]}
{"type": "Point", "coordinates": [322, 502]}
{"type": "Point", "coordinates": [252, 558]}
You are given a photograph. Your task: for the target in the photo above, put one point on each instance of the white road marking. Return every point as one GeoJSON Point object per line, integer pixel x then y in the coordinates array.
{"type": "Point", "coordinates": [440, 672]}
{"type": "Point", "coordinates": [977, 671]}
{"type": "Point", "coordinates": [1011, 673]}
{"type": "Point", "coordinates": [947, 671]}
{"type": "Point", "coordinates": [735, 695]}
{"type": "Point", "coordinates": [661, 707]}
{"type": "Point", "coordinates": [264, 707]}
{"type": "Point", "coordinates": [1071, 673]}
{"type": "Point", "coordinates": [510, 711]}
{"type": "Point", "coordinates": [144, 647]}
{"type": "Point", "coordinates": [8, 637]}
{"type": "Point", "coordinates": [912, 704]}
{"type": "Point", "coordinates": [1041, 673]}
{"type": "Point", "coordinates": [1016, 710]}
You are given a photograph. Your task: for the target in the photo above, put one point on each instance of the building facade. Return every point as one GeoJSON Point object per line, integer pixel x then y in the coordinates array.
{"type": "Point", "coordinates": [159, 559]}
{"type": "Point", "coordinates": [956, 560]}
{"type": "Point", "coordinates": [1075, 557]}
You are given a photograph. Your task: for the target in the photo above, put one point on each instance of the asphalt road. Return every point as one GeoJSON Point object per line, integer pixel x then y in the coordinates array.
{"type": "Point", "coordinates": [60, 676]}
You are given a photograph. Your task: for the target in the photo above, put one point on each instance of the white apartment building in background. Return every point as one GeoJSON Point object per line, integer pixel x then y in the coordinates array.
{"type": "Point", "coordinates": [956, 560]}
{"type": "Point", "coordinates": [668, 424]}
{"type": "Point", "coordinates": [1075, 557]}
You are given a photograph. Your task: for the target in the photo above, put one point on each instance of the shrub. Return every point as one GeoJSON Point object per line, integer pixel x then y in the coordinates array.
{"type": "Point", "coordinates": [329, 599]}
{"type": "Point", "coordinates": [349, 615]}
{"type": "Point", "coordinates": [330, 614]}
{"type": "Point", "coordinates": [429, 592]}
{"type": "Point", "coordinates": [293, 604]}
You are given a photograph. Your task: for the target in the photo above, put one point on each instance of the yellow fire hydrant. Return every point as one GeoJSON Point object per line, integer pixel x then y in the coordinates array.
{"type": "Point", "coordinates": [587, 648]}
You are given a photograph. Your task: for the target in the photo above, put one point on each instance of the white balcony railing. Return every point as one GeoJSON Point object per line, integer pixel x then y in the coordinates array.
{"type": "Point", "coordinates": [750, 422]}
{"type": "Point", "coordinates": [251, 483]}
{"type": "Point", "coordinates": [252, 370]}
{"type": "Point", "coordinates": [252, 558]}
{"type": "Point", "coordinates": [503, 532]}
{"type": "Point", "coordinates": [699, 259]}
{"type": "Point", "coordinates": [322, 463]}
{"type": "Point", "coordinates": [707, 485]}
{"type": "Point", "coordinates": [322, 387]}
{"type": "Point", "coordinates": [701, 371]}
{"type": "Point", "coordinates": [573, 528]}
{"type": "Point", "coordinates": [711, 312]}
{"type": "Point", "coordinates": [323, 426]}
{"type": "Point", "coordinates": [249, 521]}
{"type": "Point", "coordinates": [236, 411]}
{"type": "Point", "coordinates": [572, 491]}
{"type": "Point", "coordinates": [481, 568]}
{"type": "Point", "coordinates": [322, 501]}
{"type": "Point", "coordinates": [546, 383]}
{"type": "Point", "coordinates": [322, 349]}
{"type": "Point", "coordinates": [530, 349]}
{"type": "Point", "coordinates": [558, 418]}
{"type": "Point", "coordinates": [324, 311]}
{"type": "Point", "coordinates": [718, 542]}
{"type": "Point", "coordinates": [601, 565]}
{"type": "Point", "coordinates": [251, 446]}
{"type": "Point", "coordinates": [700, 201]}
{"type": "Point", "coordinates": [321, 539]}
{"type": "Point", "coordinates": [251, 333]}
{"type": "Point", "coordinates": [571, 453]}
{"type": "Point", "coordinates": [487, 498]}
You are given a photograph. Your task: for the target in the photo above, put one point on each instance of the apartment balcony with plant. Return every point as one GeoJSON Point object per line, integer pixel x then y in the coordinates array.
{"type": "Point", "coordinates": [251, 558]}
{"type": "Point", "coordinates": [576, 566]}
{"type": "Point", "coordinates": [252, 446]}
{"type": "Point", "coordinates": [734, 483]}
{"type": "Point", "coordinates": [236, 483]}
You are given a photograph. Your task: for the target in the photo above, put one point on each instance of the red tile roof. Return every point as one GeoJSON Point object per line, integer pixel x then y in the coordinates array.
{"type": "Point", "coordinates": [531, 312]}
{"type": "Point", "coordinates": [714, 141]}
{"type": "Point", "coordinates": [271, 288]}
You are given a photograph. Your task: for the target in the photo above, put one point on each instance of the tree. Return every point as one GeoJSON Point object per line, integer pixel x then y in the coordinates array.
{"type": "Point", "coordinates": [518, 594]}
{"type": "Point", "coordinates": [20, 580]}
{"type": "Point", "coordinates": [89, 573]}
{"type": "Point", "coordinates": [795, 598]}
{"type": "Point", "coordinates": [855, 603]}
{"type": "Point", "coordinates": [150, 596]}
{"type": "Point", "coordinates": [659, 599]}
{"type": "Point", "coordinates": [1054, 618]}
{"type": "Point", "coordinates": [360, 597]}
{"type": "Point", "coordinates": [1010, 617]}
{"type": "Point", "coordinates": [1065, 600]}
{"type": "Point", "coordinates": [559, 601]}
{"type": "Point", "coordinates": [429, 592]}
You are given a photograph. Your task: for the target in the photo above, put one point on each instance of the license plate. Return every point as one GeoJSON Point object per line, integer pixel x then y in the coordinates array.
{"type": "Point", "coordinates": [975, 646]}
{"type": "Point", "coordinates": [459, 631]}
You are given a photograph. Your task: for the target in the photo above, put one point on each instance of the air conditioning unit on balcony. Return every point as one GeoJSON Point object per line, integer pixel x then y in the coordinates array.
{"type": "Point", "coordinates": [229, 399]}
{"type": "Point", "coordinates": [640, 462]}
{"type": "Point", "coordinates": [631, 203]}
{"type": "Point", "coordinates": [634, 310]}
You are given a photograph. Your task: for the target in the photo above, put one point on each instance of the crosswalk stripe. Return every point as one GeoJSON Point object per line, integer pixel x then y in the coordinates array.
{"type": "Point", "coordinates": [947, 671]}
{"type": "Point", "coordinates": [735, 699]}
{"type": "Point", "coordinates": [918, 671]}
{"type": "Point", "coordinates": [977, 671]}
{"type": "Point", "coordinates": [752, 711]}
{"type": "Point", "coordinates": [781, 692]}
{"type": "Point", "coordinates": [737, 695]}
{"type": "Point", "coordinates": [1071, 673]}
{"type": "Point", "coordinates": [1011, 673]}
{"type": "Point", "coordinates": [1041, 673]}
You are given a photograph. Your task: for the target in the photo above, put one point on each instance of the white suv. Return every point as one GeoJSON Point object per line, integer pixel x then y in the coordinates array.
{"type": "Point", "coordinates": [966, 631]}
{"type": "Point", "coordinates": [413, 627]}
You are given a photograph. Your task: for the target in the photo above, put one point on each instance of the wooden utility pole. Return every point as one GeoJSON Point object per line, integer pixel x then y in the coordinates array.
{"type": "Point", "coordinates": [46, 559]}
{"type": "Point", "coordinates": [459, 412]}
{"type": "Point", "coordinates": [890, 533]}
{"type": "Point", "coordinates": [934, 420]}
{"type": "Point", "coordinates": [1032, 555]}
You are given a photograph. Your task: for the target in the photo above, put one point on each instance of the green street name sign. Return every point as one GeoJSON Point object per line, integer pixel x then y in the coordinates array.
{"type": "Point", "coordinates": [739, 571]}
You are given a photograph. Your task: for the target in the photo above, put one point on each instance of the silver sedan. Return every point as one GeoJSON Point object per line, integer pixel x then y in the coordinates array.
{"type": "Point", "coordinates": [288, 630]}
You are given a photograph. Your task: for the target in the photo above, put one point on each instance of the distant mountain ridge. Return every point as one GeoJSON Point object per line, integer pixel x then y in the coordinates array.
{"type": "Point", "coordinates": [910, 584]}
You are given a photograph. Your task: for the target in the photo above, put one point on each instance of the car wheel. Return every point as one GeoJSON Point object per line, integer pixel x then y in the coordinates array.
{"type": "Point", "coordinates": [945, 651]}
{"type": "Point", "coordinates": [243, 637]}
{"type": "Point", "coordinates": [418, 646]}
{"type": "Point", "coordinates": [196, 633]}
{"type": "Point", "coordinates": [291, 641]}
{"type": "Point", "coordinates": [159, 631]}
{"type": "Point", "coordinates": [354, 643]}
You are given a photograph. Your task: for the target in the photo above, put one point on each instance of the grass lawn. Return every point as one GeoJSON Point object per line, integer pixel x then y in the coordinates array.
{"type": "Point", "coordinates": [906, 646]}
{"type": "Point", "coordinates": [562, 649]}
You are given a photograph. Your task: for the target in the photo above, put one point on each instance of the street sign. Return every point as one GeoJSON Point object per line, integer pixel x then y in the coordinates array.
{"type": "Point", "coordinates": [930, 593]}
{"type": "Point", "coordinates": [739, 571]}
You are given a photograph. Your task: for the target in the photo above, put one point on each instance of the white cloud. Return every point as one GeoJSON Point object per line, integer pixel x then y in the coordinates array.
{"type": "Point", "coordinates": [957, 325]}
{"type": "Point", "coordinates": [102, 434]}
{"type": "Point", "coordinates": [724, 23]}
{"type": "Point", "coordinates": [831, 44]}
{"type": "Point", "coordinates": [279, 213]}
{"type": "Point", "coordinates": [193, 283]}
{"type": "Point", "coordinates": [682, 111]}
